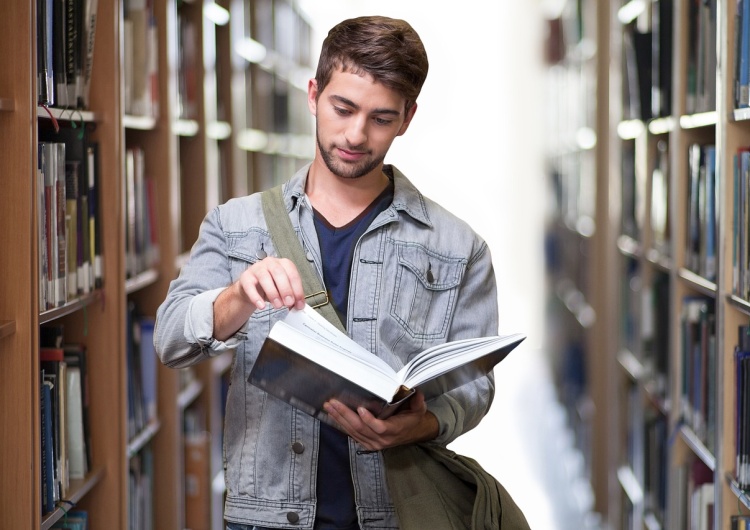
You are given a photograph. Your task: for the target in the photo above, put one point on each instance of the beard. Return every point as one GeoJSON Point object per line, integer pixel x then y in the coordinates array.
{"type": "Point", "coordinates": [347, 170]}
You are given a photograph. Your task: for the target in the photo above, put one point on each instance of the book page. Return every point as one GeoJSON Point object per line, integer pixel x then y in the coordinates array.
{"type": "Point", "coordinates": [311, 335]}
{"type": "Point", "coordinates": [441, 359]}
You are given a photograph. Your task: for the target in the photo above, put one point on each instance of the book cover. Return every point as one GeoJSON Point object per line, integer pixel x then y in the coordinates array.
{"type": "Point", "coordinates": [47, 457]}
{"type": "Point", "coordinates": [75, 356]}
{"type": "Point", "coordinates": [306, 361]}
{"type": "Point", "coordinates": [77, 461]}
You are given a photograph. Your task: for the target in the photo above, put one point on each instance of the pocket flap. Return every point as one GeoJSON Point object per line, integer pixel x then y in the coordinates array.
{"type": "Point", "coordinates": [435, 272]}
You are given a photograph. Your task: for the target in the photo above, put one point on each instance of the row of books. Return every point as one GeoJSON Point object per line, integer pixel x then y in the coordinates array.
{"type": "Point", "coordinates": [742, 55]}
{"type": "Point", "coordinates": [647, 62]}
{"type": "Point", "coordinates": [141, 372]}
{"type": "Point", "coordinates": [65, 51]}
{"type": "Point", "coordinates": [70, 257]}
{"type": "Point", "coordinates": [141, 70]}
{"type": "Point", "coordinates": [701, 245]}
{"type": "Point", "coordinates": [187, 80]}
{"type": "Point", "coordinates": [742, 414]}
{"type": "Point", "coordinates": [701, 508]}
{"type": "Point", "coordinates": [740, 223]}
{"type": "Point", "coordinates": [73, 520]}
{"type": "Point", "coordinates": [65, 434]}
{"type": "Point", "coordinates": [141, 228]}
{"type": "Point", "coordinates": [698, 368]}
{"type": "Point", "coordinates": [141, 490]}
{"type": "Point", "coordinates": [702, 57]}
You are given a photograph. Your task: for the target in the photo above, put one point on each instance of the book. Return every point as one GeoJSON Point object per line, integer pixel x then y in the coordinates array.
{"type": "Point", "coordinates": [47, 457]}
{"type": "Point", "coordinates": [306, 361]}
{"type": "Point", "coordinates": [45, 84]}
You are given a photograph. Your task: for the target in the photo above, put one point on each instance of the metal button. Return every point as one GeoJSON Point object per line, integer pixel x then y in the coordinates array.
{"type": "Point", "coordinates": [292, 517]}
{"type": "Point", "coordinates": [298, 447]}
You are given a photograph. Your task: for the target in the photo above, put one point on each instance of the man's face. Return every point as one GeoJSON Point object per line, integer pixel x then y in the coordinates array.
{"type": "Point", "coordinates": [357, 119]}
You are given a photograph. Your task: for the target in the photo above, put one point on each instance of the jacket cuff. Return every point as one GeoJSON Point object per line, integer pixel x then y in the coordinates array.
{"type": "Point", "coordinates": [446, 417]}
{"type": "Point", "coordinates": [199, 325]}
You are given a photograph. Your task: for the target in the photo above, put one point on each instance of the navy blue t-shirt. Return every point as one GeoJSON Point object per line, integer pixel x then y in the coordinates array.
{"type": "Point", "coordinates": [336, 506]}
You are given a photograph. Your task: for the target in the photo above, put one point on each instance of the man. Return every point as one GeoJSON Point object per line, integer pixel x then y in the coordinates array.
{"type": "Point", "coordinates": [402, 273]}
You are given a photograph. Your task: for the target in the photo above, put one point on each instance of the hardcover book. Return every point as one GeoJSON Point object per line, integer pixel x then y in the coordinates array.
{"type": "Point", "coordinates": [306, 361]}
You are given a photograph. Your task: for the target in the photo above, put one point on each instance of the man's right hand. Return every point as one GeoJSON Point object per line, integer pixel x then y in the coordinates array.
{"type": "Point", "coordinates": [272, 280]}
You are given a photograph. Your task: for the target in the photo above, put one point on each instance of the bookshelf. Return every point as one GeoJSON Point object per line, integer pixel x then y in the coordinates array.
{"type": "Point", "coordinates": [177, 163]}
{"type": "Point", "coordinates": [673, 139]}
{"type": "Point", "coordinates": [579, 239]}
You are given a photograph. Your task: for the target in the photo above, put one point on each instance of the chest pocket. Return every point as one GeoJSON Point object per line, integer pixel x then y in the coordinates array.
{"type": "Point", "coordinates": [425, 291]}
{"type": "Point", "coordinates": [246, 248]}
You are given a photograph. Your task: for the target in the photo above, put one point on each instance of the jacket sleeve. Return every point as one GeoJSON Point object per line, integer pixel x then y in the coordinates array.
{"type": "Point", "coordinates": [183, 333]}
{"type": "Point", "coordinates": [476, 315]}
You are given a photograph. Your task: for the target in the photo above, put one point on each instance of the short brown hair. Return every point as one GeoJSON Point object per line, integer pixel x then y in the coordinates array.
{"type": "Point", "coordinates": [387, 49]}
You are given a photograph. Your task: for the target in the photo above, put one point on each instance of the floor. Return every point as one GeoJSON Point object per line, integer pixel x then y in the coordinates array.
{"type": "Point", "coordinates": [526, 444]}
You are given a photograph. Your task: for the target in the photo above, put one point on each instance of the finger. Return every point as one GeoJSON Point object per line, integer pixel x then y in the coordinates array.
{"type": "Point", "coordinates": [295, 298]}
{"type": "Point", "coordinates": [351, 423]}
{"type": "Point", "coordinates": [273, 279]}
{"type": "Point", "coordinates": [249, 284]}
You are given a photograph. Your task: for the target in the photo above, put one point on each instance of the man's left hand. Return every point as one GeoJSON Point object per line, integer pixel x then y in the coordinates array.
{"type": "Point", "coordinates": [412, 424]}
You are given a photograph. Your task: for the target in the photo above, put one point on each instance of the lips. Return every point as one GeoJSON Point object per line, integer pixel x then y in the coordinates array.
{"type": "Point", "coordinates": [353, 156]}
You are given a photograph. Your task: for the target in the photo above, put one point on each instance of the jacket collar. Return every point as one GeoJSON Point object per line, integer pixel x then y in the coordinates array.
{"type": "Point", "coordinates": [406, 197]}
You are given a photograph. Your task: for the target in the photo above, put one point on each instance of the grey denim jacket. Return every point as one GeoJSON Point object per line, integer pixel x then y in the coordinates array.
{"type": "Point", "coordinates": [420, 276]}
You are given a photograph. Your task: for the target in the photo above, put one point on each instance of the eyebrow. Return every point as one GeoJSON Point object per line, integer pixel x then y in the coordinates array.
{"type": "Point", "coordinates": [350, 103]}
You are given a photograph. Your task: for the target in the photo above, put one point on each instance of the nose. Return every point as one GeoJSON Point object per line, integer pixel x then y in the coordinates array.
{"type": "Point", "coordinates": [356, 132]}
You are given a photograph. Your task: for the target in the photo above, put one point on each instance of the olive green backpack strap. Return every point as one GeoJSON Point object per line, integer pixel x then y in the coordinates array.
{"type": "Point", "coordinates": [288, 246]}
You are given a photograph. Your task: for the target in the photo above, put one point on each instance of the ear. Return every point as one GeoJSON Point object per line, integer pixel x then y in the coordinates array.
{"type": "Point", "coordinates": [312, 96]}
{"type": "Point", "coordinates": [407, 121]}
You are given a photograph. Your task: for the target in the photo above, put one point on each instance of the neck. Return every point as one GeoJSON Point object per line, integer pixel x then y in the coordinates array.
{"type": "Point", "coordinates": [338, 199]}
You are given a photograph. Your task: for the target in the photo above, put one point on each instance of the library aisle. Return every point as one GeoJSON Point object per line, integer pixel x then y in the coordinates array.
{"type": "Point", "coordinates": [525, 442]}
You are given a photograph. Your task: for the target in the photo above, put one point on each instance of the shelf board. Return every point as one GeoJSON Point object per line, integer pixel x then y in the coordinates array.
{"type": "Point", "coordinates": [187, 128]}
{"type": "Point", "coordinates": [141, 280]}
{"type": "Point", "coordinates": [7, 104]}
{"type": "Point", "coordinates": [78, 489]}
{"type": "Point", "coordinates": [74, 115]}
{"type": "Point", "coordinates": [141, 123]}
{"type": "Point", "coordinates": [189, 394]}
{"type": "Point", "coordinates": [698, 282]}
{"type": "Point", "coordinates": [651, 522]}
{"type": "Point", "coordinates": [697, 446]}
{"type": "Point", "coordinates": [219, 130]}
{"type": "Point", "coordinates": [70, 307]}
{"type": "Point", "coordinates": [739, 303]}
{"type": "Point", "coordinates": [630, 485]}
{"type": "Point", "coordinates": [630, 129]}
{"type": "Point", "coordinates": [575, 301]}
{"type": "Point", "coordinates": [629, 246]}
{"type": "Point", "coordinates": [662, 125]}
{"type": "Point", "coordinates": [659, 259]}
{"type": "Point", "coordinates": [7, 328]}
{"type": "Point", "coordinates": [142, 438]}
{"type": "Point", "coordinates": [740, 115]}
{"type": "Point", "coordinates": [701, 119]}
{"type": "Point", "coordinates": [742, 495]}
{"type": "Point", "coordinates": [631, 364]}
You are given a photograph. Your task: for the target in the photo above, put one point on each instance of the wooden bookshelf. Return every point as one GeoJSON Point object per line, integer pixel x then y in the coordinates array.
{"type": "Point", "coordinates": [670, 135]}
{"type": "Point", "coordinates": [195, 162]}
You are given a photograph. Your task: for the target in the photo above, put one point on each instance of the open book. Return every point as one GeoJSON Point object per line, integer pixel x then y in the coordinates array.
{"type": "Point", "coordinates": [306, 361]}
